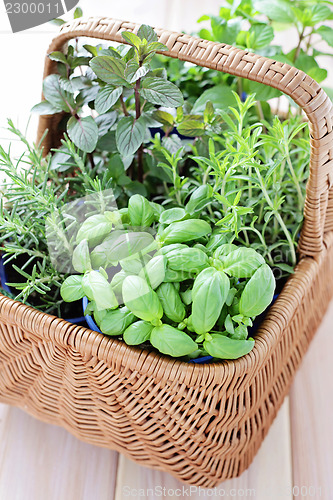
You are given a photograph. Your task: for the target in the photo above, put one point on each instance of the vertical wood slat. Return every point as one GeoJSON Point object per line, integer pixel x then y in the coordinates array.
{"type": "Point", "coordinates": [40, 461]}
{"type": "Point", "coordinates": [269, 476]}
{"type": "Point", "coordinates": [311, 409]}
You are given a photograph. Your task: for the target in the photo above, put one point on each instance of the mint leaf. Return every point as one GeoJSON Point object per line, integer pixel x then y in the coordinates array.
{"type": "Point", "coordinates": [56, 95]}
{"type": "Point", "coordinates": [45, 108]}
{"type": "Point", "coordinates": [106, 98]}
{"type": "Point", "coordinates": [146, 32]}
{"type": "Point", "coordinates": [129, 135]}
{"type": "Point", "coordinates": [109, 69]}
{"type": "Point", "coordinates": [162, 92]}
{"type": "Point", "coordinates": [83, 132]}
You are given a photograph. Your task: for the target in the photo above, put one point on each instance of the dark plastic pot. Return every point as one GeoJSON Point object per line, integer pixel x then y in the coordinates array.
{"type": "Point", "coordinates": [4, 278]}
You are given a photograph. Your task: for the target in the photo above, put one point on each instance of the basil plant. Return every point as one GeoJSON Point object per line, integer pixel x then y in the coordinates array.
{"type": "Point", "coordinates": [165, 279]}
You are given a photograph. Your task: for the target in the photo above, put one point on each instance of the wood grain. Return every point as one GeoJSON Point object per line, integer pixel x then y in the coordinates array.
{"type": "Point", "coordinates": [44, 462]}
{"type": "Point", "coordinates": [311, 408]}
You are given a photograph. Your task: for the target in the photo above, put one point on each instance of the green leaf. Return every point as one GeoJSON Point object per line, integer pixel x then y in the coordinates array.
{"type": "Point", "coordinates": [191, 127]}
{"type": "Point", "coordinates": [56, 95]}
{"type": "Point", "coordinates": [277, 10]}
{"type": "Point", "coordinates": [58, 56]}
{"type": "Point", "coordinates": [172, 341]}
{"type": "Point", "coordinates": [258, 292]}
{"type": "Point", "coordinates": [163, 117]}
{"type": "Point", "coordinates": [81, 259]}
{"type": "Point", "coordinates": [171, 302]}
{"type": "Point", "coordinates": [109, 69]}
{"type": "Point", "coordinates": [210, 290]}
{"type": "Point", "coordinates": [138, 332]}
{"type": "Point", "coordinates": [83, 132]}
{"type": "Point", "coordinates": [161, 92]}
{"type": "Point", "coordinates": [45, 108]}
{"type": "Point", "coordinates": [94, 229]}
{"type": "Point", "coordinates": [262, 35]}
{"type": "Point", "coordinates": [156, 46]}
{"type": "Point", "coordinates": [130, 134]}
{"type": "Point", "coordinates": [326, 33]}
{"type": "Point", "coordinates": [222, 347]}
{"type": "Point", "coordinates": [318, 74]}
{"type": "Point", "coordinates": [191, 260]}
{"type": "Point", "coordinates": [133, 71]}
{"type": "Point", "coordinates": [199, 199]}
{"type": "Point", "coordinates": [115, 322]}
{"type": "Point", "coordinates": [242, 263]}
{"type": "Point", "coordinates": [141, 299]}
{"type": "Point", "coordinates": [71, 289]}
{"type": "Point", "coordinates": [78, 13]}
{"type": "Point", "coordinates": [106, 98]}
{"type": "Point", "coordinates": [132, 39]}
{"type": "Point", "coordinates": [97, 288]}
{"type": "Point", "coordinates": [154, 271]}
{"type": "Point", "coordinates": [186, 230]}
{"type": "Point", "coordinates": [220, 96]}
{"type": "Point", "coordinates": [121, 245]}
{"type": "Point", "coordinates": [140, 211]}
{"type": "Point", "coordinates": [172, 215]}
{"type": "Point", "coordinates": [146, 32]}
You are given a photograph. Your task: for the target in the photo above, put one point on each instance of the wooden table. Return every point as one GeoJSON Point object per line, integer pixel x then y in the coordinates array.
{"type": "Point", "coordinates": [43, 462]}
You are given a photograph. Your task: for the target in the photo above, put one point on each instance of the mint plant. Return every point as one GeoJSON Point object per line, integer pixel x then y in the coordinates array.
{"type": "Point", "coordinates": [124, 81]}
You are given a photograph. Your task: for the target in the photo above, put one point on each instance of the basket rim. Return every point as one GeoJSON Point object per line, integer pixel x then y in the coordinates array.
{"type": "Point", "coordinates": [116, 352]}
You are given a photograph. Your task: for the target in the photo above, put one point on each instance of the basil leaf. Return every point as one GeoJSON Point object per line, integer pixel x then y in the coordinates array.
{"type": "Point", "coordinates": [192, 260]}
{"type": "Point", "coordinates": [83, 132]}
{"type": "Point", "coordinates": [258, 292]}
{"type": "Point", "coordinates": [172, 215]}
{"type": "Point", "coordinates": [154, 271]}
{"type": "Point", "coordinates": [199, 199]}
{"type": "Point", "coordinates": [116, 322]}
{"type": "Point", "coordinates": [210, 290]}
{"type": "Point", "coordinates": [242, 263]}
{"type": "Point", "coordinates": [81, 259]}
{"type": "Point", "coordinates": [141, 299]}
{"type": "Point", "coordinates": [97, 288]}
{"type": "Point", "coordinates": [161, 92]}
{"type": "Point", "coordinates": [106, 98]}
{"type": "Point", "coordinates": [94, 229]}
{"type": "Point", "coordinates": [171, 302]}
{"type": "Point", "coordinates": [140, 211]}
{"type": "Point", "coordinates": [71, 289]}
{"type": "Point", "coordinates": [171, 341]}
{"type": "Point", "coordinates": [222, 347]}
{"type": "Point", "coordinates": [130, 134]}
{"type": "Point", "coordinates": [138, 332]}
{"type": "Point", "coordinates": [121, 245]}
{"type": "Point", "coordinates": [186, 230]}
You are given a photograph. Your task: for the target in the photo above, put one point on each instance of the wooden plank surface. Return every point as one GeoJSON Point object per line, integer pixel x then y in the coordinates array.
{"type": "Point", "coordinates": [44, 462]}
{"type": "Point", "coordinates": [311, 412]}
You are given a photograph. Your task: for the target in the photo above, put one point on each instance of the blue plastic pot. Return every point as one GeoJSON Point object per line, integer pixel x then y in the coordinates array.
{"type": "Point", "coordinates": [3, 277]}
{"type": "Point", "coordinates": [203, 359]}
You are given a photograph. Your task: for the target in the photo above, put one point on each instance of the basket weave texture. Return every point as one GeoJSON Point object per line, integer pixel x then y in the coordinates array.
{"type": "Point", "coordinates": [201, 423]}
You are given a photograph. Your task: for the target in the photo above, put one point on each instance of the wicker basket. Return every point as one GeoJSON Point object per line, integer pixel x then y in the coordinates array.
{"type": "Point", "coordinates": [201, 423]}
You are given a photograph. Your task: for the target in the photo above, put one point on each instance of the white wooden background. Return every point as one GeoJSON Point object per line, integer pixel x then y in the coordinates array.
{"type": "Point", "coordinates": [43, 462]}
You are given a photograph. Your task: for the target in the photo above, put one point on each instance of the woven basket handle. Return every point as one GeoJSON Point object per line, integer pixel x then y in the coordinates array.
{"type": "Point", "coordinates": [318, 209]}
